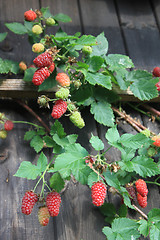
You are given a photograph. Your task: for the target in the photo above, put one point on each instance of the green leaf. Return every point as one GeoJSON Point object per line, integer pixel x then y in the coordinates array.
{"type": "Point", "coordinates": [37, 143]}
{"type": "Point", "coordinates": [42, 162]}
{"type": "Point", "coordinates": [69, 139]}
{"type": "Point", "coordinates": [28, 170]}
{"type": "Point", "coordinates": [48, 83]}
{"type": "Point", "coordinates": [102, 46]}
{"type": "Point", "coordinates": [57, 128]}
{"type": "Point", "coordinates": [111, 179]}
{"type": "Point", "coordinates": [83, 41]}
{"type": "Point", "coordinates": [123, 210]}
{"type": "Point", "coordinates": [154, 215]}
{"type": "Point", "coordinates": [95, 63]}
{"type": "Point", "coordinates": [99, 79]}
{"type": "Point", "coordinates": [3, 36]}
{"type": "Point", "coordinates": [118, 61]}
{"type": "Point", "coordinates": [112, 135]}
{"type": "Point", "coordinates": [103, 113]}
{"type": "Point", "coordinates": [56, 182]}
{"type": "Point", "coordinates": [109, 233]}
{"type": "Point", "coordinates": [109, 211]}
{"type": "Point", "coordinates": [144, 227]}
{"type": "Point", "coordinates": [81, 175]}
{"type": "Point", "coordinates": [155, 232]}
{"type": "Point", "coordinates": [29, 135]}
{"type": "Point", "coordinates": [28, 74]}
{"type": "Point", "coordinates": [7, 66]}
{"type": "Point", "coordinates": [17, 28]}
{"type": "Point", "coordinates": [101, 93]}
{"type": "Point", "coordinates": [92, 178]}
{"type": "Point", "coordinates": [46, 12]}
{"type": "Point", "coordinates": [133, 141]}
{"type": "Point", "coordinates": [125, 197]}
{"type": "Point", "coordinates": [49, 141]}
{"type": "Point", "coordinates": [96, 143]}
{"type": "Point", "coordinates": [82, 94]}
{"type": "Point", "coordinates": [72, 159]}
{"type": "Point", "coordinates": [62, 17]}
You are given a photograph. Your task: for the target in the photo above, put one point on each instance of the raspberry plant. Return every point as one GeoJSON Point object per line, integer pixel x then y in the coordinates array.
{"type": "Point", "coordinates": [84, 75]}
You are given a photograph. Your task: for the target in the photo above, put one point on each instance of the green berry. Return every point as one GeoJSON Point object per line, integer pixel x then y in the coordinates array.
{"type": "Point", "coordinates": [50, 22]}
{"type": "Point", "coordinates": [87, 50]}
{"type": "Point", "coordinates": [71, 107]}
{"type": "Point", "coordinates": [3, 134]}
{"type": "Point", "coordinates": [62, 93]}
{"type": "Point", "coordinates": [43, 101]}
{"type": "Point", "coordinates": [77, 84]}
{"type": "Point", "coordinates": [37, 29]}
{"type": "Point", "coordinates": [77, 120]}
{"type": "Point", "coordinates": [151, 151]}
{"type": "Point", "coordinates": [38, 48]}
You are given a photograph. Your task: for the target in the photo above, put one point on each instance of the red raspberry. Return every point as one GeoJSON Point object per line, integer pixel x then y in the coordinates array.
{"type": "Point", "coordinates": [158, 86]}
{"type": "Point", "coordinates": [43, 216]}
{"type": "Point", "coordinates": [30, 15]}
{"type": "Point", "coordinates": [40, 75]}
{"type": "Point", "coordinates": [63, 79]}
{"type": "Point", "coordinates": [51, 67]}
{"type": "Point", "coordinates": [142, 201]}
{"type": "Point", "coordinates": [156, 140]}
{"type": "Point", "coordinates": [141, 187]}
{"type": "Point", "coordinates": [156, 72]}
{"type": "Point", "coordinates": [132, 192]}
{"type": "Point", "coordinates": [8, 125]}
{"type": "Point", "coordinates": [98, 193]}
{"type": "Point", "coordinates": [53, 201]}
{"type": "Point", "coordinates": [28, 202]}
{"type": "Point", "coordinates": [59, 109]}
{"type": "Point", "coordinates": [43, 60]}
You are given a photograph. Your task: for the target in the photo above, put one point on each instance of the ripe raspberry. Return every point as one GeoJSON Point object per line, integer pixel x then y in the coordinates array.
{"type": "Point", "coordinates": [40, 75]}
{"type": "Point", "coordinates": [98, 193]}
{"type": "Point", "coordinates": [28, 202]}
{"type": "Point", "coordinates": [30, 15]}
{"type": "Point", "coordinates": [50, 22]}
{"type": "Point", "coordinates": [3, 134]}
{"type": "Point", "coordinates": [132, 192]}
{"type": "Point", "coordinates": [8, 125]}
{"type": "Point", "coordinates": [156, 72]}
{"type": "Point", "coordinates": [158, 86]}
{"type": "Point", "coordinates": [43, 216]}
{"type": "Point", "coordinates": [62, 93]}
{"type": "Point", "coordinates": [142, 201]}
{"type": "Point", "coordinates": [63, 79]}
{"type": "Point", "coordinates": [59, 109]}
{"type": "Point", "coordinates": [43, 60]}
{"type": "Point", "coordinates": [51, 67]}
{"type": "Point", "coordinates": [77, 120]}
{"type": "Point", "coordinates": [53, 201]}
{"type": "Point", "coordinates": [38, 48]}
{"type": "Point", "coordinates": [22, 66]}
{"type": "Point", "coordinates": [156, 140]}
{"type": "Point", "coordinates": [141, 187]}
{"type": "Point", "coordinates": [37, 29]}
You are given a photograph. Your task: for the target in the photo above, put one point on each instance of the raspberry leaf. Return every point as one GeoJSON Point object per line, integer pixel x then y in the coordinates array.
{"type": "Point", "coordinates": [28, 74]}
{"type": "Point", "coordinates": [42, 162]}
{"type": "Point", "coordinates": [102, 113]}
{"type": "Point", "coordinates": [69, 139]}
{"type": "Point", "coordinates": [109, 211]}
{"type": "Point", "coordinates": [133, 141]}
{"type": "Point", "coordinates": [28, 170]}
{"type": "Point", "coordinates": [81, 175]}
{"type": "Point", "coordinates": [46, 12]}
{"type": "Point", "coordinates": [99, 79]}
{"type": "Point", "coordinates": [84, 40]}
{"type": "Point", "coordinates": [101, 47]}
{"type": "Point", "coordinates": [155, 231]}
{"type": "Point", "coordinates": [29, 135]}
{"type": "Point", "coordinates": [96, 143]}
{"type": "Point", "coordinates": [112, 135]}
{"type": "Point", "coordinates": [37, 143]}
{"type": "Point", "coordinates": [56, 182]}
{"type": "Point", "coordinates": [95, 63]}
{"type": "Point", "coordinates": [93, 177]}
{"type": "Point", "coordinates": [7, 66]}
{"type": "Point", "coordinates": [57, 128]}
{"type": "Point", "coordinates": [118, 61]}
{"type": "Point", "coordinates": [3, 36]}
{"type": "Point", "coordinates": [17, 28]}
{"type": "Point", "coordinates": [154, 215]}
{"type": "Point", "coordinates": [62, 17]}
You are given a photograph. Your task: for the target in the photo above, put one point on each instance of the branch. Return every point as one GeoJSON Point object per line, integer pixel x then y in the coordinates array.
{"type": "Point", "coordinates": [151, 109]}
{"type": "Point", "coordinates": [34, 114]}
{"type": "Point", "coordinates": [139, 211]}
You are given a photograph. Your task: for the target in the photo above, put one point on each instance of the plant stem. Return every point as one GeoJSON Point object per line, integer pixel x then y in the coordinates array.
{"type": "Point", "coordinates": [151, 109]}
{"type": "Point", "coordinates": [139, 211]}
{"type": "Point", "coordinates": [34, 114]}
{"type": "Point", "coordinates": [106, 151]}
{"type": "Point", "coordinates": [158, 184]}
{"type": "Point", "coordinates": [35, 125]}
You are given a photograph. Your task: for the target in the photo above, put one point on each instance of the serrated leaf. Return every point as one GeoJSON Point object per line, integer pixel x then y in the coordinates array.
{"type": "Point", "coordinates": [108, 209]}
{"type": "Point", "coordinates": [57, 128]}
{"type": "Point", "coordinates": [125, 197]}
{"type": "Point", "coordinates": [154, 215]}
{"type": "Point", "coordinates": [49, 141]}
{"type": "Point", "coordinates": [3, 36]}
{"type": "Point", "coordinates": [82, 94]}
{"type": "Point", "coordinates": [123, 210]}
{"type": "Point", "coordinates": [28, 74]}
{"type": "Point", "coordinates": [109, 233]}
{"type": "Point", "coordinates": [133, 141]}
{"type": "Point", "coordinates": [99, 79]}
{"type": "Point", "coordinates": [28, 170]}
{"type": "Point", "coordinates": [62, 17]}
{"type": "Point", "coordinates": [29, 135]}
{"type": "Point", "coordinates": [101, 93]}
{"type": "Point", "coordinates": [144, 227]}
{"type": "Point", "coordinates": [37, 143]}
{"type": "Point", "coordinates": [103, 113]}
{"type": "Point", "coordinates": [96, 143]}
{"type": "Point", "coordinates": [155, 232]}
{"type": "Point", "coordinates": [56, 182]}
{"type": "Point", "coordinates": [42, 162]}
{"type": "Point", "coordinates": [118, 61]}
{"type": "Point", "coordinates": [16, 27]}
{"type": "Point", "coordinates": [112, 135]}
{"type": "Point", "coordinates": [63, 142]}
{"type": "Point", "coordinates": [83, 41]}
{"type": "Point", "coordinates": [46, 12]}
{"type": "Point", "coordinates": [111, 179]}
{"type": "Point", "coordinates": [72, 159]}
{"type": "Point", "coordinates": [48, 83]}
{"type": "Point", "coordinates": [7, 66]}
{"type": "Point", "coordinates": [95, 63]}
{"type": "Point", "coordinates": [92, 178]}
{"type": "Point", "coordinates": [102, 46]}
{"type": "Point", "coordinates": [81, 175]}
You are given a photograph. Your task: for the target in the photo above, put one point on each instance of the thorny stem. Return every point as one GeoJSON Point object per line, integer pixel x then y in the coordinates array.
{"type": "Point", "coordinates": [151, 109]}
{"type": "Point", "coordinates": [34, 114]}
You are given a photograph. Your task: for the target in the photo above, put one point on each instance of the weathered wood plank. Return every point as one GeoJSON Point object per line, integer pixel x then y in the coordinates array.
{"type": "Point", "coordinates": [140, 32]}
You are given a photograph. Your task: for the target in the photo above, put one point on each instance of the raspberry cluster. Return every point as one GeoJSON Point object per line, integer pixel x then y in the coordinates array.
{"type": "Point", "coordinates": [98, 193]}
{"type": "Point", "coordinates": [142, 191]}
{"type": "Point", "coordinates": [50, 209]}
{"type": "Point", "coordinates": [6, 127]}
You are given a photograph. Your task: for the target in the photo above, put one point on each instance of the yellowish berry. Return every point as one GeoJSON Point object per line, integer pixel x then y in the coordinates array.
{"type": "Point", "coordinates": [38, 48]}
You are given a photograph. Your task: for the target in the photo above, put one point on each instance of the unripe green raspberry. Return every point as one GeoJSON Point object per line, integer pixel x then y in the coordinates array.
{"type": "Point", "coordinates": [50, 21]}
{"type": "Point", "coordinates": [3, 134]}
{"type": "Point", "coordinates": [71, 107]}
{"type": "Point", "coordinates": [43, 101]}
{"type": "Point", "coordinates": [77, 84]}
{"type": "Point", "coordinates": [38, 48]}
{"type": "Point", "coordinates": [87, 50]}
{"type": "Point", "coordinates": [77, 120]}
{"type": "Point", "coordinates": [151, 151]}
{"type": "Point", "coordinates": [62, 93]}
{"type": "Point", "coordinates": [37, 29]}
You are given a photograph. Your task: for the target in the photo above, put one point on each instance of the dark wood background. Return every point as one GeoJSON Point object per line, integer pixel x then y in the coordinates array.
{"type": "Point", "coordinates": [132, 28]}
